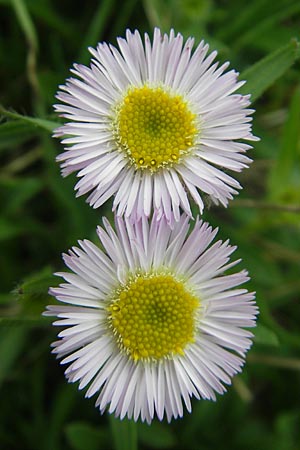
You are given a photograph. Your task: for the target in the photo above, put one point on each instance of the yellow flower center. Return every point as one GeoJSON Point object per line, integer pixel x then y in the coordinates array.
{"type": "Point", "coordinates": [153, 317]}
{"type": "Point", "coordinates": [154, 127]}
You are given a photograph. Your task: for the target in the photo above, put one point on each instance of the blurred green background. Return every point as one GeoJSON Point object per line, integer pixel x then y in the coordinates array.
{"type": "Point", "coordinates": [40, 218]}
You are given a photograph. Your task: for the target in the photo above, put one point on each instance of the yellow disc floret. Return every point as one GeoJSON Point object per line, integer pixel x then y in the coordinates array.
{"type": "Point", "coordinates": [153, 317]}
{"type": "Point", "coordinates": [154, 127]}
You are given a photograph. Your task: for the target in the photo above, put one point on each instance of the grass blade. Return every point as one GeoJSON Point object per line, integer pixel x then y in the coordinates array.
{"type": "Point", "coordinates": [124, 433]}
{"type": "Point", "coordinates": [265, 72]}
{"type": "Point", "coordinates": [26, 23]}
{"type": "Point", "coordinates": [282, 174]}
{"type": "Point", "coordinates": [96, 27]}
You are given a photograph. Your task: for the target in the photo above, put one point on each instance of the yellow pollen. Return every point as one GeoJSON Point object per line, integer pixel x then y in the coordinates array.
{"type": "Point", "coordinates": [153, 127]}
{"type": "Point", "coordinates": [153, 317]}
{"type": "Point", "coordinates": [115, 308]}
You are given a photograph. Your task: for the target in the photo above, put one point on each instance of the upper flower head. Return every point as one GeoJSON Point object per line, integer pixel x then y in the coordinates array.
{"type": "Point", "coordinates": [154, 124]}
{"type": "Point", "coordinates": [151, 319]}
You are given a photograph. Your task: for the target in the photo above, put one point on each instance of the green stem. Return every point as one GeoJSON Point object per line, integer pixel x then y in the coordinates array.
{"type": "Point", "coordinates": [47, 125]}
{"type": "Point", "coordinates": [249, 203]}
{"type": "Point", "coordinates": [30, 33]}
{"type": "Point", "coordinates": [242, 389]}
{"type": "Point", "coordinates": [124, 433]}
{"type": "Point", "coordinates": [276, 361]}
{"type": "Point", "coordinates": [22, 162]}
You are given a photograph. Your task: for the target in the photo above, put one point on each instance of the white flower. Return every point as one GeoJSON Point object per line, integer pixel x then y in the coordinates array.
{"type": "Point", "coordinates": [154, 125]}
{"type": "Point", "coordinates": [150, 320]}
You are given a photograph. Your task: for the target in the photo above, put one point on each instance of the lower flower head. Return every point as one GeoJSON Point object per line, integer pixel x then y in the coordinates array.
{"type": "Point", "coordinates": [150, 319]}
{"type": "Point", "coordinates": [154, 125]}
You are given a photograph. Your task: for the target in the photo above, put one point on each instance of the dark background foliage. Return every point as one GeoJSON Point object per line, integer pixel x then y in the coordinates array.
{"type": "Point", "coordinates": [40, 218]}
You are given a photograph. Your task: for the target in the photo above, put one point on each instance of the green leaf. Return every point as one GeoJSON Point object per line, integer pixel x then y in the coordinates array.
{"type": "Point", "coordinates": [156, 436]}
{"type": "Point", "coordinates": [124, 433]}
{"type": "Point", "coordinates": [127, 8]}
{"type": "Point", "coordinates": [186, 16]}
{"type": "Point", "coordinates": [269, 22]}
{"type": "Point", "coordinates": [9, 229]}
{"type": "Point", "coordinates": [12, 340]}
{"type": "Point", "coordinates": [275, 361]}
{"type": "Point", "coordinates": [5, 298]}
{"type": "Point", "coordinates": [47, 13]}
{"type": "Point", "coordinates": [96, 28]}
{"type": "Point", "coordinates": [15, 133]}
{"type": "Point", "coordinates": [25, 22]}
{"type": "Point", "coordinates": [281, 175]}
{"type": "Point", "coordinates": [287, 430]}
{"type": "Point", "coordinates": [62, 406]}
{"type": "Point", "coordinates": [33, 292]}
{"type": "Point", "coordinates": [28, 301]}
{"type": "Point", "coordinates": [265, 72]}
{"type": "Point", "coordinates": [265, 336]}
{"type": "Point", "coordinates": [249, 14]}
{"type": "Point", "coordinates": [82, 436]}
{"type": "Point", "coordinates": [19, 191]}
{"type": "Point", "coordinates": [43, 124]}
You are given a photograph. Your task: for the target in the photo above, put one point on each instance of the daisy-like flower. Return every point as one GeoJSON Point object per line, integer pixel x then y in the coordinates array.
{"type": "Point", "coordinates": [150, 319]}
{"type": "Point", "coordinates": [154, 125]}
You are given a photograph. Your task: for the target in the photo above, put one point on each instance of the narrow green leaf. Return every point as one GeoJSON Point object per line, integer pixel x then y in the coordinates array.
{"type": "Point", "coordinates": [21, 162]}
{"type": "Point", "coordinates": [281, 175]}
{"type": "Point", "coordinates": [33, 292]}
{"type": "Point", "coordinates": [267, 23]}
{"type": "Point", "coordinates": [48, 13]}
{"type": "Point", "coordinates": [190, 17]}
{"type": "Point", "coordinates": [25, 22]}
{"type": "Point", "coordinates": [242, 389]}
{"type": "Point", "coordinates": [12, 340]}
{"type": "Point", "coordinates": [249, 14]}
{"type": "Point", "coordinates": [285, 335]}
{"type": "Point", "coordinates": [265, 72]}
{"type": "Point", "coordinates": [96, 28]}
{"type": "Point", "coordinates": [124, 433]}
{"type": "Point", "coordinates": [5, 298]}
{"type": "Point", "coordinates": [82, 436]}
{"type": "Point", "coordinates": [122, 20]}
{"type": "Point", "coordinates": [19, 192]}
{"type": "Point", "coordinates": [62, 406]}
{"type": "Point", "coordinates": [265, 336]}
{"type": "Point", "coordinates": [286, 430]}
{"type": "Point", "coordinates": [158, 13]}
{"type": "Point", "coordinates": [14, 133]}
{"type": "Point", "coordinates": [157, 436]}
{"type": "Point", "coordinates": [43, 124]}
{"type": "Point", "coordinates": [9, 229]}
{"type": "Point", "coordinates": [27, 301]}
{"type": "Point", "coordinates": [275, 361]}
